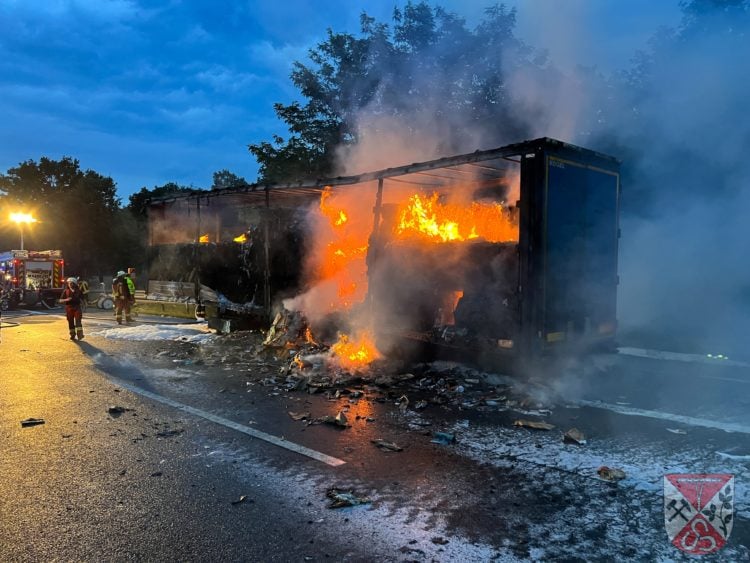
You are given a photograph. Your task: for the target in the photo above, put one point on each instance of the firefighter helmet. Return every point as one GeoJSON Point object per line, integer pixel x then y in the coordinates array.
{"type": "Point", "coordinates": [72, 280]}
{"type": "Point", "coordinates": [120, 273]}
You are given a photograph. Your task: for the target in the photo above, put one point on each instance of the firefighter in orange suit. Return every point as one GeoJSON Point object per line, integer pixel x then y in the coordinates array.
{"type": "Point", "coordinates": [71, 297]}
{"type": "Point", "coordinates": [123, 297]}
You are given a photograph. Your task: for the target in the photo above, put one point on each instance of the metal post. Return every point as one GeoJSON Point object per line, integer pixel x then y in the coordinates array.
{"type": "Point", "coordinates": [377, 209]}
{"type": "Point", "coordinates": [267, 251]}
{"type": "Point", "coordinates": [20, 226]}
{"type": "Point", "coordinates": [198, 213]}
{"type": "Point", "coordinates": [373, 247]}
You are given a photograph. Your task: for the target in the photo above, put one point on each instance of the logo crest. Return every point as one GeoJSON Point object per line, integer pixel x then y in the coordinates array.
{"type": "Point", "coordinates": [698, 511]}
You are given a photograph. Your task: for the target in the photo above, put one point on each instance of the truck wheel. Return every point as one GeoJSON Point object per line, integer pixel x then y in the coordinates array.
{"type": "Point", "coordinates": [30, 298]}
{"type": "Point", "coordinates": [4, 304]}
{"type": "Point", "coordinates": [106, 303]}
{"type": "Point", "coordinates": [49, 301]}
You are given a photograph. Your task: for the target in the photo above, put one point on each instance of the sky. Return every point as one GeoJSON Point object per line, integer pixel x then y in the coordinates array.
{"type": "Point", "coordinates": [155, 91]}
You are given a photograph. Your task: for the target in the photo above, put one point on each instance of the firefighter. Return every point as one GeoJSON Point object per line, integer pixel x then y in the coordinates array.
{"type": "Point", "coordinates": [123, 297]}
{"type": "Point", "coordinates": [130, 279]}
{"type": "Point", "coordinates": [71, 297]}
{"type": "Point", "coordinates": [84, 286]}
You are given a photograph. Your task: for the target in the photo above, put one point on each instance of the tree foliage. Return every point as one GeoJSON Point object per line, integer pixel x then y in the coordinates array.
{"type": "Point", "coordinates": [224, 179]}
{"type": "Point", "coordinates": [138, 202]}
{"type": "Point", "coordinates": [425, 66]}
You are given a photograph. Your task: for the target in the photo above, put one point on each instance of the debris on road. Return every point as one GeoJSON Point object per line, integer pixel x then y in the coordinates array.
{"type": "Point", "coordinates": [117, 410]}
{"type": "Point", "coordinates": [610, 473]}
{"type": "Point", "coordinates": [31, 422]}
{"type": "Point", "coordinates": [574, 436]}
{"type": "Point", "coordinates": [439, 540]}
{"type": "Point", "coordinates": [537, 425]}
{"type": "Point", "coordinates": [170, 433]}
{"type": "Point", "coordinates": [242, 499]}
{"type": "Point", "coordinates": [340, 498]}
{"type": "Point", "coordinates": [338, 420]}
{"type": "Point", "coordinates": [403, 403]}
{"type": "Point", "coordinates": [386, 445]}
{"type": "Point", "coordinates": [299, 415]}
{"type": "Point", "coordinates": [443, 438]}
{"type": "Point", "coordinates": [406, 549]}
{"type": "Point", "coordinates": [676, 431]}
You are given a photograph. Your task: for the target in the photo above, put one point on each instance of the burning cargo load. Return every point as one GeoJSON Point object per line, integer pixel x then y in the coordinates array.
{"type": "Point", "coordinates": [508, 253]}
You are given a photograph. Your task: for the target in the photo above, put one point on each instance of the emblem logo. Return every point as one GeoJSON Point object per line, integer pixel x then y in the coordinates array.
{"type": "Point", "coordinates": [698, 511]}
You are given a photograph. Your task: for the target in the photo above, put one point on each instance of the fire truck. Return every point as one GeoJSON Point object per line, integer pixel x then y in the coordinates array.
{"type": "Point", "coordinates": [31, 277]}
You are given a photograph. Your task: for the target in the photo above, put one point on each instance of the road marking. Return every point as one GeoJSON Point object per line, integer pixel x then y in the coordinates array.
{"type": "Point", "coordinates": [690, 420]}
{"type": "Point", "coordinates": [654, 373]}
{"type": "Point", "coordinates": [275, 440]}
{"type": "Point", "coordinates": [678, 357]}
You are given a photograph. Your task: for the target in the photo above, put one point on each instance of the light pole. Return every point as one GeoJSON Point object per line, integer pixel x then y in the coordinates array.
{"type": "Point", "coordinates": [20, 219]}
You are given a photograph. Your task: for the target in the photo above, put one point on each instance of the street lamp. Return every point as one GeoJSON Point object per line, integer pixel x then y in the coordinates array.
{"type": "Point", "coordinates": [20, 219]}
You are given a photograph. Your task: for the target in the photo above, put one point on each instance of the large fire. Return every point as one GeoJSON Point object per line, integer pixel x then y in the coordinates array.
{"type": "Point", "coordinates": [342, 260]}
{"type": "Point", "coordinates": [427, 217]}
{"type": "Point", "coordinates": [355, 353]}
{"type": "Point", "coordinates": [345, 222]}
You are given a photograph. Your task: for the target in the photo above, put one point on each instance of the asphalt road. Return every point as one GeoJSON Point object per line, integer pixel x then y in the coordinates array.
{"type": "Point", "coordinates": [204, 463]}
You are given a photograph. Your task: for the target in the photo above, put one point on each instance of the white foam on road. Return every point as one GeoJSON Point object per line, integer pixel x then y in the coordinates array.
{"type": "Point", "coordinates": [197, 333]}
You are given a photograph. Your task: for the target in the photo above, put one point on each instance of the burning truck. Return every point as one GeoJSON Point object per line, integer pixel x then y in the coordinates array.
{"type": "Point", "coordinates": [497, 255]}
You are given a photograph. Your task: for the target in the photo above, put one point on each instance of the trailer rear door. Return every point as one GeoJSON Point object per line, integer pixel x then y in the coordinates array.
{"type": "Point", "coordinates": [581, 239]}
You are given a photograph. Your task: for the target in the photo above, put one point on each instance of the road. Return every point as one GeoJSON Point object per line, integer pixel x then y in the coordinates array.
{"type": "Point", "coordinates": [205, 463]}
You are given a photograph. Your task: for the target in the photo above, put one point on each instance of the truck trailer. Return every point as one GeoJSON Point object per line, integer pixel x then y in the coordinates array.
{"type": "Point", "coordinates": [546, 284]}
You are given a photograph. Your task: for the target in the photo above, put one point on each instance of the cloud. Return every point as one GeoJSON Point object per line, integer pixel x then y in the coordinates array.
{"type": "Point", "coordinates": [277, 59]}
{"type": "Point", "coordinates": [46, 10]}
{"type": "Point", "coordinates": [223, 79]}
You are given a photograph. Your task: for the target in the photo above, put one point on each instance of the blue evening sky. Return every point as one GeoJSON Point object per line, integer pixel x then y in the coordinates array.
{"type": "Point", "coordinates": [153, 91]}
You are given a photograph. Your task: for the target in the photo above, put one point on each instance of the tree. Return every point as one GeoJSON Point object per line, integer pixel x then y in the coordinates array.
{"type": "Point", "coordinates": [425, 68]}
{"type": "Point", "coordinates": [226, 179]}
{"type": "Point", "coordinates": [76, 210]}
{"type": "Point", "coordinates": [138, 202]}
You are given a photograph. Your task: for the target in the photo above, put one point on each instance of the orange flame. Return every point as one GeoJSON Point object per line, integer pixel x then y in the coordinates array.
{"type": "Point", "coordinates": [203, 238]}
{"type": "Point", "coordinates": [342, 260]}
{"type": "Point", "coordinates": [309, 337]}
{"type": "Point", "coordinates": [355, 353]}
{"type": "Point", "coordinates": [337, 217]}
{"type": "Point", "coordinates": [428, 218]}
{"type": "Point", "coordinates": [242, 238]}
{"type": "Point", "coordinates": [450, 302]}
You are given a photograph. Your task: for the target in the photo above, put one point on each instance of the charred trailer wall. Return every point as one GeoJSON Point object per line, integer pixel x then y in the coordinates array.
{"type": "Point", "coordinates": [240, 252]}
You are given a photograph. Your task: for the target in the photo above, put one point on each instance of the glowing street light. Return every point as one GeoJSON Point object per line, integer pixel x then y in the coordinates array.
{"type": "Point", "coordinates": [20, 219]}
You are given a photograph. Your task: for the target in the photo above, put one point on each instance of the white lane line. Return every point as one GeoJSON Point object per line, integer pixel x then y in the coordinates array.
{"type": "Point", "coordinates": [732, 379]}
{"type": "Point", "coordinates": [690, 420]}
{"type": "Point", "coordinates": [275, 440]}
{"type": "Point", "coordinates": [678, 357]}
